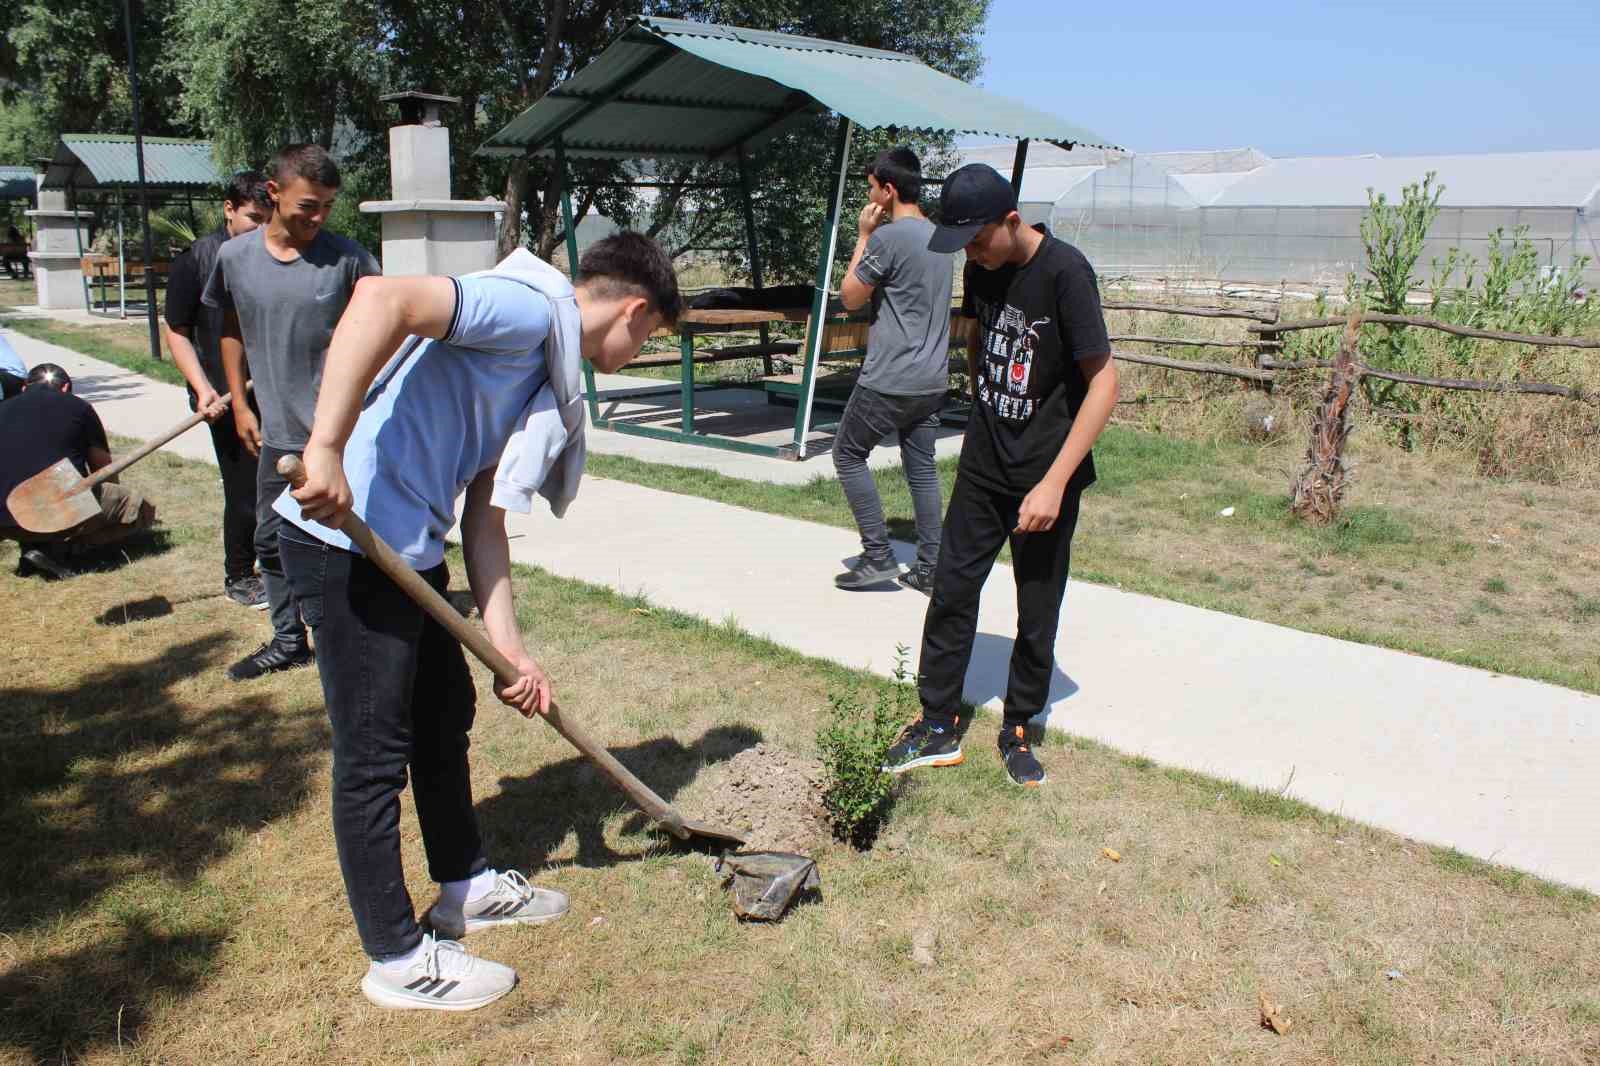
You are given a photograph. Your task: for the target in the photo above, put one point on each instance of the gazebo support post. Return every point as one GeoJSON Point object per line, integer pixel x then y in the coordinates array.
{"type": "Point", "coordinates": [122, 261]}
{"type": "Point", "coordinates": [1017, 165]}
{"type": "Point", "coordinates": [754, 250]}
{"type": "Point", "coordinates": [571, 232]}
{"type": "Point", "coordinates": [819, 298]}
{"type": "Point", "coordinates": [144, 199]}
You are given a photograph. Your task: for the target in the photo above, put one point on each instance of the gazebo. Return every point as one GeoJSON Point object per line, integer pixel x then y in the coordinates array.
{"type": "Point", "coordinates": [16, 184]}
{"type": "Point", "coordinates": [101, 170]}
{"type": "Point", "coordinates": [671, 89]}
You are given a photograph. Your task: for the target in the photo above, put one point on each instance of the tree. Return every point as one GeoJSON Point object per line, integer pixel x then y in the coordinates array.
{"type": "Point", "coordinates": [321, 82]}
{"type": "Point", "coordinates": [68, 58]}
{"type": "Point", "coordinates": [258, 74]}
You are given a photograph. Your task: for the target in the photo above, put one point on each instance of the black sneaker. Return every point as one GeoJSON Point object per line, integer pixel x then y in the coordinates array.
{"type": "Point", "coordinates": [1018, 757]}
{"type": "Point", "coordinates": [246, 591]}
{"type": "Point", "coordinates": [924, 743]}
{"type": "Point", "coordinates": [270, 658]}
{"type": "Point", "coordinates": [40, 561]}
{"type": "Point", "coordinates": [919, 578]}
{"type": "Point", "coordinates": [868, 572]}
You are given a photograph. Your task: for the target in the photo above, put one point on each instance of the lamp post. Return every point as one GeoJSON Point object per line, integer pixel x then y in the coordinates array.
{"type": "Point", "coordinates": [144, 199]}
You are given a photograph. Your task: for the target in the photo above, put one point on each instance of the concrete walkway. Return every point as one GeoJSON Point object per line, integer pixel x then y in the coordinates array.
{"type": "Point", "coordinates": [1501, 768]}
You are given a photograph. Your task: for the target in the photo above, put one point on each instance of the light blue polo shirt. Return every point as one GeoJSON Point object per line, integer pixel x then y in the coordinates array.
{"type": "Point", "coordinates": [436, 418]}
{"type": "Point", "coordinates": [10, 361]}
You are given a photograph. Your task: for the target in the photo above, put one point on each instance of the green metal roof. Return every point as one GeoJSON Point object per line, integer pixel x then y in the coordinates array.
{"type": "Point", "coordinates": [16, 183]}
{"type": "Point", "coordinates": [667, 88]}
{"type": "Point", "coordinates": [89, 161]}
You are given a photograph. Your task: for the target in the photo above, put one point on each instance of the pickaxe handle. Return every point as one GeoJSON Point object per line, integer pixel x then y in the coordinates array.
{"type": "Point", "coordinates": [478, 643]}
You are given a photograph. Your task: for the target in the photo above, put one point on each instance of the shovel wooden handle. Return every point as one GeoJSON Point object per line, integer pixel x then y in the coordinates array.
{"type": "Point", "coordinates": [478, 643]}
{"type": "Point", "coordinates": [111, 470]}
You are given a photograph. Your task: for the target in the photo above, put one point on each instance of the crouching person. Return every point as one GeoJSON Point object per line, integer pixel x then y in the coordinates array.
{"type": "Point", "coordinates": [40, 427]}
{"type": "Point", "coordinates": [482, 394]}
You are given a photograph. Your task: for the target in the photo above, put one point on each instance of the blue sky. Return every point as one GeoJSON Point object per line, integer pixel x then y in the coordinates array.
{"type": "Point", "coordinates": [1404, 77]}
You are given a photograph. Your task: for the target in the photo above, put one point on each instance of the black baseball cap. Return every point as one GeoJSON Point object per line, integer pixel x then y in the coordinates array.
{"type": "Point", "coordinates": [972, 197]}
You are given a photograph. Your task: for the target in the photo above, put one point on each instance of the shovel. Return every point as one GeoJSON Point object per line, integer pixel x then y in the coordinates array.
{"type": "Point", "coordinates": [479, 645]}
{"type": "Point", "coordinates": [58, 498]}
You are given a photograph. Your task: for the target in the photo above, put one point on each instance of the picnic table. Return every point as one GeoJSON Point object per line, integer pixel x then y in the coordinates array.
{"type": "Point", "coordinates": [100, 270]}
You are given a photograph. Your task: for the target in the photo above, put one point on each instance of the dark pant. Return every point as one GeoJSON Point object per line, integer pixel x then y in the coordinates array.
{"type": "Point", "coordinates": [287, 628]}
{"type": "Point", "coordinates": [238, 469]}
{"type": "Point", "coordinates": [976, 527]}
{"type": "Point", "coordinates": [398, 695]}
{"type": "Point", "coordinates": [868, 419]}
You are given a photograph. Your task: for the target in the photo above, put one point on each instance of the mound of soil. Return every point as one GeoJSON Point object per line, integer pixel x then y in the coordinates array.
{"type": "Point", "coordinates": [773, 795]}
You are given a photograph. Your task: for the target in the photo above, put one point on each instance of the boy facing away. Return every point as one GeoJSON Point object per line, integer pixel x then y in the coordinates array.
{"type": "Point", "coordinates": [478, 392]}
{"type": "Point", "coordinates": [1044, 388]}
{"type": "Point", "coordinates": [906, 371]}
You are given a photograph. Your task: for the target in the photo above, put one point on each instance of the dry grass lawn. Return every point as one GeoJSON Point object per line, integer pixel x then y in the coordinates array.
{"type": "Point", "coordinates": [170, 892]}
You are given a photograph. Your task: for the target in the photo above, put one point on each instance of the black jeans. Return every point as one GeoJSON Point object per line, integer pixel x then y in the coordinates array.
{"type": "Point", "coordinates": [976, 527]}
{"type": "Point", "coordinates": [238, 469]}
{"type": "Point", "coordinates": [398, 695]}
{"type": "Point", "coordinates": [287, 627]}
{"type": "Point", "coordinates": [869, 418]}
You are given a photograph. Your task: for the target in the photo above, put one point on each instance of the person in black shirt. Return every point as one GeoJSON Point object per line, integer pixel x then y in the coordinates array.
{"type": "Point", "coordinates": [38, 429]}
{"type": "Point", "coordinates": [1044, 386]}
{"type": "Point", "coordinates": [193, 333]}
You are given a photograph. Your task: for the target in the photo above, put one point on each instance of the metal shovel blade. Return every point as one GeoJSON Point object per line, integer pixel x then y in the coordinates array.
{"type": "Point", "coordinates": [713, 832]}
{"type": "Point", "coordinates": [46, 502]}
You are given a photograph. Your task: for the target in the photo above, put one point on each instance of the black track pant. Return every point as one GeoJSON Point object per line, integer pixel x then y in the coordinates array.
{"type": "Point", "coordinates": [977, 525]}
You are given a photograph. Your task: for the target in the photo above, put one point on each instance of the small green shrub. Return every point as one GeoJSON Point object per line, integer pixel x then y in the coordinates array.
{"type": "Point", "coordinates": [853, 742]}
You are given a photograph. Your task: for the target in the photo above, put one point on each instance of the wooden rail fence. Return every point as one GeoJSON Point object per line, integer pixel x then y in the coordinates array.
{"type": "Point", "coordinates": [1270, 329]}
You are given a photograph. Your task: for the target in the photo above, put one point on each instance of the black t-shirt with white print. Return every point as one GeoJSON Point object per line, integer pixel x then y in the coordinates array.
{"type": "Point", "coordinates": [1035, 322]}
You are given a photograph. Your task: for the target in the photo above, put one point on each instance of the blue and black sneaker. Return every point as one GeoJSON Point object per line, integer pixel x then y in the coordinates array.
{"type": "Point", "coordinates": [1015, 752]}
{"type": "Point", "coordinates": [925, 743]}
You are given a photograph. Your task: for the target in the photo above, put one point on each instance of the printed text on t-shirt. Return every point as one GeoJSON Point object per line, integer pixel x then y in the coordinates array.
{"type": "Point", "coordinates": [1008, 364]}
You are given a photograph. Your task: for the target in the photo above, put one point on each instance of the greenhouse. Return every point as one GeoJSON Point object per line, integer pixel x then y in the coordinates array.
{"type": "Point", "coordinates": [1237, 215]}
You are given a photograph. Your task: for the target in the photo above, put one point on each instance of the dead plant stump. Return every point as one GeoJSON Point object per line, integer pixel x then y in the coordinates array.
{"type": "Point", "coordinates": [1319, 489]}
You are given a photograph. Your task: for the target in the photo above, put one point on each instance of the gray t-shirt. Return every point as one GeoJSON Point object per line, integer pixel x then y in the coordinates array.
{"type": "Point", "coordinates": [287, 312]}
{"type": "Point", "coordinates": [908, 341]}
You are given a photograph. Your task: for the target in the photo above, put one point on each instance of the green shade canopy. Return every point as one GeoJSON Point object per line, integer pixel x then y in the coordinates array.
{"type": "Point", "coordinates": [667, 88]}
{"type": "Point", "coordinates": [91, 161]}
{"type": "Point", "coordinates": [16, 183]}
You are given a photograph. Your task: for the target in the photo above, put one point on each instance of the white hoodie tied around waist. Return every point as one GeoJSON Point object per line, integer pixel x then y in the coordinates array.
{"type": "Point", "coordinates": [546, 452]}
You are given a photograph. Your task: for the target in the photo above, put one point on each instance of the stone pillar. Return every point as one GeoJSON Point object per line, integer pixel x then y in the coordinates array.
{"type": "Point", "coordinates": [424, 230]}
{"type": "Point", "coordinates": [57, 253]}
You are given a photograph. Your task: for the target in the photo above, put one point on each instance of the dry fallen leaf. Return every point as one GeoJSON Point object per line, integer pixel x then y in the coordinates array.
{"type": "Point", "coordinates": [1050, 1047]}
{"type": "Point", "coordinates": [1112, 854]}
{"type": "Point", "coordinates": [1272, 1017]}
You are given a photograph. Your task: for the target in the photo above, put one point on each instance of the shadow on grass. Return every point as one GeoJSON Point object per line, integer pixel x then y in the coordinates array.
{"type": "Point", "coordinates": [115, 796]}
{"type": "Point", "coordinates": [531, 816]}
{"type": "Point", "coordinates": [989, 672]}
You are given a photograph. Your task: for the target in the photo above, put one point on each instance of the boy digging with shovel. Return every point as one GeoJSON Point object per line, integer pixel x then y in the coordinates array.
{"type": "Point", "coordinates": [482, 395]}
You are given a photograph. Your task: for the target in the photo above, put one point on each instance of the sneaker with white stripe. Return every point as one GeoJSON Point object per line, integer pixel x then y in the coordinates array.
{"type": "Point", "coordinates": [512, 901]}
{"type": "Point", "coordinates": [443, 977]}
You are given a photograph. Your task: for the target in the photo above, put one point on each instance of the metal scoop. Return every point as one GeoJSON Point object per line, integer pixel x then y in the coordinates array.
{"type": "Point", "coordinates": [58, 498]}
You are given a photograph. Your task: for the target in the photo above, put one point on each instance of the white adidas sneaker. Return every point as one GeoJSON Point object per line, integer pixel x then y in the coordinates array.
{"type": "Point", "coordinates": [512, 901]}
{"type": "Point", "coordinates": [444, 977]}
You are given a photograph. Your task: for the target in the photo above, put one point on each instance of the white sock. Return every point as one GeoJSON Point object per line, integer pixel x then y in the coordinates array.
{"type": "Point", "coordinates": [457, 893]}
{"type": "Point", "coordinates": [400, 963]}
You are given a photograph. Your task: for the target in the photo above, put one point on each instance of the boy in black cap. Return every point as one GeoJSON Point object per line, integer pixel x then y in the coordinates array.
{"type": "Point", "coordinates": [1044, 388]}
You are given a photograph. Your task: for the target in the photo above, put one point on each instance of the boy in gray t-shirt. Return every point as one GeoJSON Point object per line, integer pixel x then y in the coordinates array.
{"type": "Point", "coordinates": [903, 380]}
{"type": "Point", "coordinates": [282, 289]}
